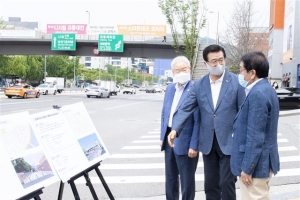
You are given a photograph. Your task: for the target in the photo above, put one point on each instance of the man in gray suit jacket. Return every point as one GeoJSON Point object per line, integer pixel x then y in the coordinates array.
{"type": "Point", "coordinates": [255, 149]}
{"type": "Point", "coordinates": [218, 96]}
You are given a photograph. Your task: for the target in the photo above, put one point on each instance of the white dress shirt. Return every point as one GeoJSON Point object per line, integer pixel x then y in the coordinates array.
{"type": "Point", "coordinates": [177, 96]}
{"type": "Point", "coordinates": [249, 87]}
{"type": "Point", "coordinates": [215, 89]}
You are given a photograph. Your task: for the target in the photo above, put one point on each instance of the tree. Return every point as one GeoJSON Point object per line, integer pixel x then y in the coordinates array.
{"type": "Point", "coordinates": [237, 38]}
{"type": "Point", "coordinates": [21, 165]}
{"type": "Point", "coordinates": [185, 14]}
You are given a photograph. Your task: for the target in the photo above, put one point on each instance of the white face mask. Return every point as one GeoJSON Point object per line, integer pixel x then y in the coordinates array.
{"type": "Point", "coordinates": [182, 77]}
{"type": "Point", "coordinates": [218, 70]}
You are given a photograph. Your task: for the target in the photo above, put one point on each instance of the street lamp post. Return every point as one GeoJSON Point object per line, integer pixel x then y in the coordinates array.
{"type": "Point", "coordinates": [74, 68]}
{"type": "Point", "coordinates": [116, 75]}
{"type": "Point", "coordinates": [89, 21]}
{"type": "Point", "coordinates": [218, 29]}
{"type": "Point", "coordinates": [127, 74]}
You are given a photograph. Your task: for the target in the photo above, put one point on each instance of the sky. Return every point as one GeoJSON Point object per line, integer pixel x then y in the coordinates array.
{"type": "Point", "coordinates": [117, 12]}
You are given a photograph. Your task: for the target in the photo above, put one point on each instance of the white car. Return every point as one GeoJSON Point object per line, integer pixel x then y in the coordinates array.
{"type": "Point", "coordinates": [158, 89]}
{"type": "Point", "coordinates": [128, 90]}
{"type": "Point", "coordinates": [47, 89]}
{"type": "Point", "coordinates": [98, 92]}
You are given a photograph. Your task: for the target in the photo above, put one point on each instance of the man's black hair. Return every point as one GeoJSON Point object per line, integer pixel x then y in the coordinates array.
{"type": "Point", "coordinates": [256, 60]}
{"type": "Point", "coordinates": [212, 49]}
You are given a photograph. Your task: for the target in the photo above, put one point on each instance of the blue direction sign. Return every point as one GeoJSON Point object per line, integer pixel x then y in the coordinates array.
{"type": "Point", "coordinates": [63, 42]}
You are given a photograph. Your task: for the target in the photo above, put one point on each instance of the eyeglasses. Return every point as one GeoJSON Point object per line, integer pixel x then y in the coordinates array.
{"type": "Point", "coordinates": [215, 61]}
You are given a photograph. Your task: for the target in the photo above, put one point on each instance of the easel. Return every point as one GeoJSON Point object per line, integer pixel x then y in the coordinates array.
{"type": "Point", "coordinates": [35, 195]}
{"type": "Point", "coordinates": [88, 183]}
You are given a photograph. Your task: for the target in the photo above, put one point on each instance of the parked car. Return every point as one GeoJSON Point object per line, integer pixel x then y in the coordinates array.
{"type": "Point", "coordinates": [21, 90]}
{"type": "Point", "coordinates": [97, 92]}
{"type": "Point", "coordinates": [289, 98]}
{"type": "Point", "coordinates": [47, 89]}
{"type": "Point", "coordinates": [150, 90]}
{"type": "Point", "coordinates": [143, 88]}
{"type": "Point", "coordinates": [128, 90]}
{"type": "Point", "coordinates": [158, 89]}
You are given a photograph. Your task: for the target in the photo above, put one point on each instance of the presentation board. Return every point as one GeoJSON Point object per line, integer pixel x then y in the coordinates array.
{"type": "Point", "coordinates": [69, 138]}
{"type": "Point", "coordinates": [24, 164]}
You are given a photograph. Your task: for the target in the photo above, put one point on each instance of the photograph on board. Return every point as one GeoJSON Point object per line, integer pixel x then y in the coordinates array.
{"type": "Point", "coordinates": [91, 146]}
{"type": "Point", "coordinates": [32, 169]}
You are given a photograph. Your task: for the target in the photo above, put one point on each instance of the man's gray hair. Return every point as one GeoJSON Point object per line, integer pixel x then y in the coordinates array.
{"type": "Point", "coordinates": [180, 59]}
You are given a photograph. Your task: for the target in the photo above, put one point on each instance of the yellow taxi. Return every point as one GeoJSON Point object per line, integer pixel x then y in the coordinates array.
{"type": "Point", "coordinates": [21, 90]}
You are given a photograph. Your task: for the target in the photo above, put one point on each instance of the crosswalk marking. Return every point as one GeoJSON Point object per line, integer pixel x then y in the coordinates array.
{"type": "Point", "coordinates": [142, 147]}
{"type": "Point", "coordinates": [150, 136]}
{"type": "Point", "coordinates": [138, 155]}
{"type": "Point", "coordinates": [138, 166]}
{"type": "Point", "coordinates": [132, 179]}
{"type": "Point", "coordinates": [288, 172]}
{"type": "Point", "coordinates": [289, 158]}
{"type": "Point", "coordinates": [288, 148]}
{"type": "Point", "coordinates": [145, 141]}
{"type": "Point", "coordinates": [153, 132]}
{"type": "Point", "coordinates": [282, 140]}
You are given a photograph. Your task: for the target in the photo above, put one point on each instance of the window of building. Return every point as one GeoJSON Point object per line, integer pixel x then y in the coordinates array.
{"type": "Point", "coordinates": [116, 63]}
{"type": "Point", "coordinates": [116, 58]}
{"type": "Point", "coordinates": [255, 38]}
{"type": "Point", "coordinates": [87, 64]}
{"type": "Point", "coordinates": [88, 58]}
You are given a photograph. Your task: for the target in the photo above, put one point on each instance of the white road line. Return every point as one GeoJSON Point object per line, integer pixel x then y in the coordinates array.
{"type": "Point", "coordinates": [282, 140]}
{"type": "Point", "coordinates": [145, 141]}
{"type": "Point", "coordinates": [132, 179]}
{"type": "Point", "coordinates": [125, 105]}
{"type": "Point", "coordinates": [142, 147]}
{"type": "Point", "coordinates": [138, 155]}
{"type": "Point", "coordinates": [289, 148]}
{"type": "Point", "coordinates": [24, 102]}
{"type": "Point", "coordinates": [150, 136]}
{"type": "Point", "coordinates": [153, 132]}
{"type": "Point", "coordinates": [138, 166]}
{"type": "Point", "coordinates": [289, 158]}
{"type": "Point", "coordinates": [288, 172]}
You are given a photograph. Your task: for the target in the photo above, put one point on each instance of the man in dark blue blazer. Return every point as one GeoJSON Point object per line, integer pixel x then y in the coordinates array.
{"type": "Point", "coordinates": [255, 150]}
{"type": "Point", "coordinates": [218, 96]}
{"type": "Point", "coordinates": [180, 161]}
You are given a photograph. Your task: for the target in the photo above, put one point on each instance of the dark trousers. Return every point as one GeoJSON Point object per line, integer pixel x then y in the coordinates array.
{"type": "Point", "coordinates": [183, 166]}
{"type": "Point", "coordinates": [219, 182]}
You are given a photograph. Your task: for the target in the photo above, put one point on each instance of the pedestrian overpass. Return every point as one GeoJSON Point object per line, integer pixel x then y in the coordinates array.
{"type": "Point", "coordinates": [88, 47]}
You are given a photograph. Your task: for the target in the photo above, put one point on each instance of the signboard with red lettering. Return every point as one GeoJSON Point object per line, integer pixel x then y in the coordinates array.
{"type": "Point", "coordinates": [66, 28]}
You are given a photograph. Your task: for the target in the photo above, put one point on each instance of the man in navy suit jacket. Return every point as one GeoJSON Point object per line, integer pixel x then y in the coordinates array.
{"type": "Point", "coordinates": [218, 96]}
{"type": "Point", "coordinates": [255, 150]}
{"type": "Point", "coordinates": [180, 161]}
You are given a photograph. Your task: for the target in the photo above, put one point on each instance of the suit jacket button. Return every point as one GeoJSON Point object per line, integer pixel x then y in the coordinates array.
{"type": "Point", "coordinates": [213, 129]}
{"type": "Point", "coordinates": [215, 115]}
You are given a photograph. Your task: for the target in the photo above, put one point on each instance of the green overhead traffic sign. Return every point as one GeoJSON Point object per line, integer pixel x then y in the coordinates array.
{"type": "Point", "coordinates": [110, 42]}
{"type": "Point", "coordinates": [63, 42]}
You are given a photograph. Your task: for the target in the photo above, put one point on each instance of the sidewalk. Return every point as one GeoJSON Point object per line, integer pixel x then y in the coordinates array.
{"type": "Point", "coordinates": [282, 192]}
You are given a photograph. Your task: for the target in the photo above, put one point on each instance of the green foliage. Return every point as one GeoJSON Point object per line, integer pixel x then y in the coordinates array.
{"type": "Point", "coordinates": [185, 14]}
{"type": "Point", "coordinates": [21, 165]}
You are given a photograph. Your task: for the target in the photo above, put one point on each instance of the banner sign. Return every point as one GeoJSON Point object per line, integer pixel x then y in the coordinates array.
{"type": "Point", "coordinates": [97, 29]}
{"type": "Point", "coordinates": [67, 28]}
{"type": "Point", "coordinates": [142, 30]}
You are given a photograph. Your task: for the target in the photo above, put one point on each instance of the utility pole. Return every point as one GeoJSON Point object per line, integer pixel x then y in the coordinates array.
{"type": "Point", "coordinates": [89, 21]}
{"type": "Point", "coordinates": [45, 65]}
{"type": "Point", "coordinates": [127, 74]}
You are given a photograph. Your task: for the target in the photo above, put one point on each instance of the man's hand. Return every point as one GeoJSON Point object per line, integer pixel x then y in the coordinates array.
{"type": "Point", "coordinates": [160, 143]}
{"type": "Point", "coordinates": [192, 153]}
{"type": "Point", "coordinates": [171, 138]}
{"type": "Point", "coordinates": [247, 179]}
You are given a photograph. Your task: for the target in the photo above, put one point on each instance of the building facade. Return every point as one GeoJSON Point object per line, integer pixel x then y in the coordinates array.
{"type": "Point", "coordinates": [284, 42]}
{"type": "Point", "coordinates": [95, 62]}
{"type": "Point", "coordinates": [16, 22]}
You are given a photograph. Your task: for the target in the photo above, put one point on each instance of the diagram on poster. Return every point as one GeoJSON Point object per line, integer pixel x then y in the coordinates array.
{"type": "Point", "coordinates": [85, 132]}
{"type": "Point", "coordinates": [23, 161]}
{"type": "Point", "coordinates": [69, 139]}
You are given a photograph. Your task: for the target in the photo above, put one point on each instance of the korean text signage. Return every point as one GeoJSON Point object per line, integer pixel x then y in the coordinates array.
{"type": "Point", "coordinates": [289, 30]}
{"type": "Point", "coordinates": [67, 28]}
{"type": "Point", "coordinates": [63, 42]}
{"type": "Point", "coordinates": [143, 30]}
{"type": "Point", "coordinates": [110, 43]}
{"type": "Point", "coordinates": [103, 29]}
